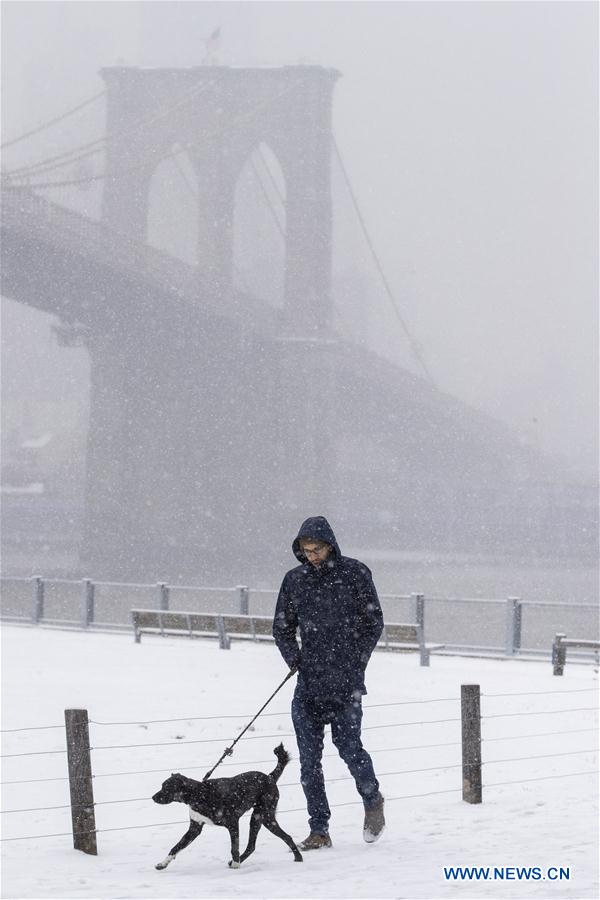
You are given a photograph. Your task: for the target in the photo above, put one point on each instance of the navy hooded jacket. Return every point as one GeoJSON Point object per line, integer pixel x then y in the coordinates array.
{"type": "Point", "coordinates": [337, 611]}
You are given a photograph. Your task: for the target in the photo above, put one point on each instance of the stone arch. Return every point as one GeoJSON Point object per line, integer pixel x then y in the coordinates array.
{"type": "Point", "coordinates": [219, 113]}
{"type": "Point", "coordinates": [259, 227]}
{"type": "Point", "coordinates": [172, 217]}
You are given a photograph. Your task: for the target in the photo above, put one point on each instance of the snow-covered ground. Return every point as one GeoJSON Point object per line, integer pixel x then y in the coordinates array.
{"type": "Point", "coordinates": [539, 805]}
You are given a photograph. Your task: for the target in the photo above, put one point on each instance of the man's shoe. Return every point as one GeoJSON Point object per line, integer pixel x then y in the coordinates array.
{"type": "Point", "coordinates": [374, 821]}
{"type": "Point", "coordinates": [315, 841]}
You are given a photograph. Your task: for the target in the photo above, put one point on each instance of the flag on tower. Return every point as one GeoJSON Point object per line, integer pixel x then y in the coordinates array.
{"type": "Point", "coordinates": [211, 44]}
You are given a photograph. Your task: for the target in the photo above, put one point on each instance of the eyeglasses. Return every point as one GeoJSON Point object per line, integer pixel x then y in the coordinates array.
{"type": "Point", "coordinates": [316, 552]}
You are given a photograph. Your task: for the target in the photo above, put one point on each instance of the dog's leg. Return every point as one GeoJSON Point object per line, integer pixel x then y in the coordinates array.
{"type": "Point", "coordinates": [255, 823]}
{"type": "Point", "coordinates": [275, 828]}
{"type": "Point", "coordinates": [234, 834]}
{"type": "Point", "coordinates": [190, 835]}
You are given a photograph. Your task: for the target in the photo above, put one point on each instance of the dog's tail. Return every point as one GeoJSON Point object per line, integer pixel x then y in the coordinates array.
{"type": "Point", "coordinates": [283, 758]}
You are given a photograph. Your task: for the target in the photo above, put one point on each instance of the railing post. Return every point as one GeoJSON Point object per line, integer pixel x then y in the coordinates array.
{"type": "Point", "coordinates": [559, 654]}
{"type": "Point", "coordinates": [37, 611]}
{"type": "Point", "coordinates": [163, 595]}
{"type": "Point", "coordinates": [514, 615]}
{"type": "Point", "coordinates": [88, 593]}
{"type": "Point", "coordinates": [244, 599]}
{"type": "Point", "coordinates": [471, 742]}
{"type": "Point", "coordinates": [418, 608]}
{"type": "Point", "coordinates": [224, 640]}
{"type": "Point", "coordinates": [80, 781]}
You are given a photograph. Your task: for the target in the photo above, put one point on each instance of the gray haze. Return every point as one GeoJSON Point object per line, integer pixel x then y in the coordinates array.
{"type": "Point", "coordinates": [469, 131]}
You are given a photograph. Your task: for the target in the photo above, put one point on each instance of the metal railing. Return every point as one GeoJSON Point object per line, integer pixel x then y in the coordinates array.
{"type": "Point", "coordinates": [507, 627]}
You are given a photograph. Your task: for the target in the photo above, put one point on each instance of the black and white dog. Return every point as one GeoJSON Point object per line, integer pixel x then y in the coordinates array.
{"type": "Point", "coordinates": [223, 801]}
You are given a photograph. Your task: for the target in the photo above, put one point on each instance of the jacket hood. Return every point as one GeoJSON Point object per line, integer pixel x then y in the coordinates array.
{"type": "Point", "coordinates": [318, 529]}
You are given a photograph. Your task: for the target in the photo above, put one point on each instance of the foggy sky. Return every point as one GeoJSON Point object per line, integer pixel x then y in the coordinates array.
{"type": "Point", "coordinates": [470, 134]}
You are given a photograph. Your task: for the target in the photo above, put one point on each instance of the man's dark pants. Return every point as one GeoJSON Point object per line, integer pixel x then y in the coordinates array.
{"type": "Point", "coordinates": [310, 716]}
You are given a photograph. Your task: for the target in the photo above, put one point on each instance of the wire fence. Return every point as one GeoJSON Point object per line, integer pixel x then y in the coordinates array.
{"type": "Point", "coordinates": [450, 766]}
{"type": "Point", "coordinates": [286, 712]}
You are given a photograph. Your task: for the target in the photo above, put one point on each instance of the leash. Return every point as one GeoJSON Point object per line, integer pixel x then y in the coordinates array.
{"type": "Point", "coordinates": [229, 750]}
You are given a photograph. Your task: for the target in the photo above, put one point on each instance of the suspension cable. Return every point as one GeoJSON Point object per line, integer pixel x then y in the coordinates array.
{"type": "Point", "coordinates": [52, 162]}
{"type": "Point", "coordinates": [267, 199]}
{"type": "Point", "coordinates": [195, 194]}
{"type": "Point", "coordinates": [388, 290]}
{"type": "Point", "coordinates": [54, 121]}
{"type": "Point", "coordinates": [120, 173]}
{"type": "Point", "coordinates": [274, 184]}
{"type": "Point", "coordinates": [46, 165]}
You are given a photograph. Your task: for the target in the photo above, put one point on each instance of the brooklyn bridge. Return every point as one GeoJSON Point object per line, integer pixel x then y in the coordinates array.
{"type": "Point", "coordinates": [218, 418]}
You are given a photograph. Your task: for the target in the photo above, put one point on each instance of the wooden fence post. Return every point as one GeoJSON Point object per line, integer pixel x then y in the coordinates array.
{"type": "Point", "coordinates": [80, 781]}
{"type": "Point", "coordinates": [471, 742]}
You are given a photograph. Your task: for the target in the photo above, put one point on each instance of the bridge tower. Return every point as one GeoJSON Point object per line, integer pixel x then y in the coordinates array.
{"type": "Point", "coordinates": [192, 416]}
{"type": "Point", "coordinates": [219, 115]}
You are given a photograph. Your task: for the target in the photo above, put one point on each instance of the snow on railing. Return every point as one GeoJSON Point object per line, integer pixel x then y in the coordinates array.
{"type": "Point", "coordinates": [106, 605]}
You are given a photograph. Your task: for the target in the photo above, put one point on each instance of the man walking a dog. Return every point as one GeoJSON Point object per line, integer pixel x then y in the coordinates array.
{"type": "Point", "coordinates": [332, 601]}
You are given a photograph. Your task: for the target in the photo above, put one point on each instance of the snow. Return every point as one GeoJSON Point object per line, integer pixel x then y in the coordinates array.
{"type": "Point", "coordinates": [522, 822]}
